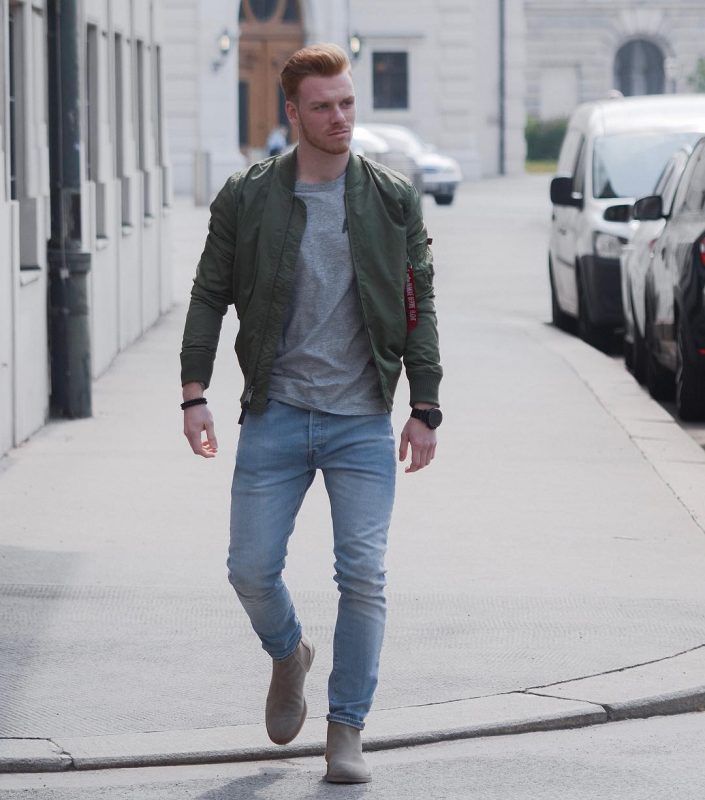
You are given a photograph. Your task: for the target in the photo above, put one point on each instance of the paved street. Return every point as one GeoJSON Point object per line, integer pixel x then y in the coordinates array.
{"type": "Point", "coordinates": [550, 540]}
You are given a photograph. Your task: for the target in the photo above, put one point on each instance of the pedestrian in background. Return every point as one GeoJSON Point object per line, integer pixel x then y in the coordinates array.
{"type": "Point", "coordinates": [276, 141]}
{"type": "Point", "coordinates": [326, 258]}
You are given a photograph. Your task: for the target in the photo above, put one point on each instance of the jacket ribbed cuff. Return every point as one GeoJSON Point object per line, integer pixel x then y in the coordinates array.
{"type": "Point", "coordinates": [424, 389]}
{"type": "Point", "coordinates": [194, 369]}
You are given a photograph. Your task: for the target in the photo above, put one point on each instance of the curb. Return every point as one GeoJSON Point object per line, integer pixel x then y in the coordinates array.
{"type": "Point", "coordinates": [530, 711]}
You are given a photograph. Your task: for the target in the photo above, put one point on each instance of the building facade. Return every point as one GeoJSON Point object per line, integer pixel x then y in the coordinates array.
{"type": "Point", "coordinates": [452, 70]}
{"type": "Point", "coordinates": [580, 50]}
{"type": "Point", "coordinates": [84, 190]}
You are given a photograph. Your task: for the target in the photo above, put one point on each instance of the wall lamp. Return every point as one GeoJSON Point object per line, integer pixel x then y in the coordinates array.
{"type": "Point", "coordinates": [225, 45]}
{"type": "Point", "coordinates": [355, 44]}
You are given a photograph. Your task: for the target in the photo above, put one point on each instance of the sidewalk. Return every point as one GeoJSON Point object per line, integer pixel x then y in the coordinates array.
{"type": "Point", "coordinates": [559, 535]}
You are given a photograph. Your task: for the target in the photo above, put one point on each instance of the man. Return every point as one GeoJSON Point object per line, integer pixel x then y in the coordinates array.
{"type": "Point", "coordinates": [325, 257]}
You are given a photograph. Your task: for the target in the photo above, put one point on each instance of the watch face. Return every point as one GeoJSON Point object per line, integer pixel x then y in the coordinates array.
{"type": "Point", "coordinates": [435, 417]}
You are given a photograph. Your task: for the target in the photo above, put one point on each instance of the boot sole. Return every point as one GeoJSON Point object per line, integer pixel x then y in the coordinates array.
{"type": "Point", "coordinates": [347, 779]}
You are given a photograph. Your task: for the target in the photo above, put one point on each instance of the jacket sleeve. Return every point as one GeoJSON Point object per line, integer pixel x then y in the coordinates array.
{"type": "Point", "coordinates": [421, 356]}
{"type": "Point", "coordinates": [212, 290]}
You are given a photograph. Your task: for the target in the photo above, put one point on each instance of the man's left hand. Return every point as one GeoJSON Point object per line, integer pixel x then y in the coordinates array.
{"type": "Point", "coordinates": [423, 444]}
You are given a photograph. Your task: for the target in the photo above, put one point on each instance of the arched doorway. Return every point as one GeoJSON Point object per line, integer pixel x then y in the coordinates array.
{"type": "Point", "coordinates": [639, 68]}
{"type": "Point", "coordinates": [270, 31]}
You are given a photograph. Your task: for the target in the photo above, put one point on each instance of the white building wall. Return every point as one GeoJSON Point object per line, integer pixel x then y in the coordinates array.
{"type": "Point", "coordinates": [126, 229]}
{"type": "Point", "coordinates": [124, 218]}
{"type": "Point", "coordinates": [201, 104]}
{"type": "Point", "coordinates": [572, 44]}
{"type": "Point", "coordinates": [453, 48]}
{"type": "Point", "coordinates": [25, 221]}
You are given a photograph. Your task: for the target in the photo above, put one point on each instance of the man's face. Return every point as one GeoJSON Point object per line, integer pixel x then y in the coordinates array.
{"type": "Point", "coordinates": [324, 112]}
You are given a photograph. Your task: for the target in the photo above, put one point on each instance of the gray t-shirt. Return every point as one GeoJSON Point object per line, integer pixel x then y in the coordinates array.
{"type": "Point", "coordinates": [324, 359]}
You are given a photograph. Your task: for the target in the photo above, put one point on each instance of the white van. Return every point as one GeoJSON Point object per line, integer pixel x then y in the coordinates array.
{"type": "Point", "coordinates": [613, 153]}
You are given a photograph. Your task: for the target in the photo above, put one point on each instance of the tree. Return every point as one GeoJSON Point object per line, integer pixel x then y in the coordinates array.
{"type": "Point", "coordinates": [697, 80]}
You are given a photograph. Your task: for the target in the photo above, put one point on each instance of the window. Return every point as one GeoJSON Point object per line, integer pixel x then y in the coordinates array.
{"type": "Point", "coordinates": [695, 196]}
{"type": "Point", "coordinates": [157, 122]}
{"type": "Point", "coordinates": [628, 164]}
{"type": "Point", "coordinates": [292, 12]}
{"type": "Point", "coordinates": [93, 73]}
{"type": "Point", "coordinates": [390, 80]}
{"type": "Point", "coordinates": [13, 101]}
{"type": "Point", "coordinates": [639, 68]}
{"type": "Point", "coordinates": [568, 158]}
{"type": "Point", "coordinates": [91, 68]}
{"type": "Point", "coordinates": [263, 9]}
{"type": "Point", "coordinates": [579, 176]}
{"type": "Point", "coordinates": [244, 108]}
{"type": "Point", "coordinates": [141, 121]}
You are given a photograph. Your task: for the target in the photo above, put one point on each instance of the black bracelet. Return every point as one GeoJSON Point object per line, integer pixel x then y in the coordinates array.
{"type": "Point", "coordinates": [197, 401]}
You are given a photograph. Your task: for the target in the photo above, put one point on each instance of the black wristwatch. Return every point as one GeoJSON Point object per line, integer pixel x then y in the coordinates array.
{"type": "Point", "coordinates": [429, 416]}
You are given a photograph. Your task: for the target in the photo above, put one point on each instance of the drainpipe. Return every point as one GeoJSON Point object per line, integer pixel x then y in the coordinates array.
{"type": "Point", "coordinates": [502, 90]}
{"type": "Point", "coordinates": [69, 331]}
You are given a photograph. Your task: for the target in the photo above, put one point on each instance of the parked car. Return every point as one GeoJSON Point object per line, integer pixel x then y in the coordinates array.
{"type": "Point", "coordinates": [370, 144]}
{"type": "Point", "coordinates": [612, 153]}
{"type": "Point", "coordinates": [440, 174]}
{"type": "Point", "coordinates": [675, 285]}
{"type": "Point", "coordinates": [635, 260]}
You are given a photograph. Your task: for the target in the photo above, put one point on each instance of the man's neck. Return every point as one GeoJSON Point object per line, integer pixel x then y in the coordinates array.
{"type": "Point", "coordinates": [314, 166]}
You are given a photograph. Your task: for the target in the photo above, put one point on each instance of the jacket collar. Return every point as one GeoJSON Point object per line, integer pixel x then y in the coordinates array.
{"type": "Point", "coordinates": [285, 171]}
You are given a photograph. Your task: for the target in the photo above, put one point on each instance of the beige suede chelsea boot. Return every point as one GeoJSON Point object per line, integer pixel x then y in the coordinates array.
{"type": "Point", "coordinates": [344, 755]}
{"type": "Point", "coordinates": [286, 705]}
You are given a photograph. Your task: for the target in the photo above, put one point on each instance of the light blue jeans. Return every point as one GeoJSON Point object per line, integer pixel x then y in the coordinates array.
{"type": "Point", "coordinates": [277, 457]}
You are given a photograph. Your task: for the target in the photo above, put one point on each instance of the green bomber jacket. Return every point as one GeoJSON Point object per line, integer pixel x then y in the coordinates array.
{"type": "Point", "coordinates": [250, 256]}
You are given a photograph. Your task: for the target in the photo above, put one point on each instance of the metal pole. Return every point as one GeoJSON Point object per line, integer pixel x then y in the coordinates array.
{"type": "Point", "coordinates": [69, 329]}
{"type": "Point", "coordinates": [502, 90]}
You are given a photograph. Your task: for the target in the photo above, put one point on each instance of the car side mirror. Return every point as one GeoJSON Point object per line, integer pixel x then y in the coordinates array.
{"type": "Point", "coordinates": [647, 208]}
{"type": "Point", "coordinates": [619, 213]}
{"type": "Point", "coordinates": [562, 193]}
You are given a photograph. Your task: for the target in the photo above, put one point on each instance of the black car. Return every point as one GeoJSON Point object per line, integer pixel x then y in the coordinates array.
{"type": "Point", "coordinates": [675, 282]}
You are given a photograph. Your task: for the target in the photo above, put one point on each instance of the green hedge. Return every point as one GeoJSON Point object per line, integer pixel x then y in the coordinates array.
{"type": "Point", "coordinates": [544, 138]}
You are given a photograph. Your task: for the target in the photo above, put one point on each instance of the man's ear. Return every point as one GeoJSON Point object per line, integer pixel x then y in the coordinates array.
{"type": "Point", "coordinates": [292, 112]}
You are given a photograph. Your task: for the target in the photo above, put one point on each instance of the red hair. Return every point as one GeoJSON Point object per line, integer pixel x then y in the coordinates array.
{"type": "Point", "coordinates": [324, 60]}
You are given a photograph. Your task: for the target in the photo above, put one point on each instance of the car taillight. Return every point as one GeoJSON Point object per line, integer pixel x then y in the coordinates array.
{"type": "Point", "coordinates": [701, 251]}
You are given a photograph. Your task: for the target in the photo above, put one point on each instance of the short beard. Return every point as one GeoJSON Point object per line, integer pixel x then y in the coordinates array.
{"type": "Point", "coordinates": [332, 148]}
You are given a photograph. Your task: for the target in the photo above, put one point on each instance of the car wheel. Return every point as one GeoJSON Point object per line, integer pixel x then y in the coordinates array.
{"type": "Point", "coordinates": [559, 318]}
{"type": "Point", "coordinates": [659, 380]}
{"type": "Point", "coordinates": [595, 335]}
{"type": "Point", "coordinates": [690, 386]}
{"type": "Point", "coordinates": [443, 199]}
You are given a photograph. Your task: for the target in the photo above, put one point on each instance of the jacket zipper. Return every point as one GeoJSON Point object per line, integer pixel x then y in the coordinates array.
{"type": "Point", "coordinates": [246, 404]}
{"type": "Point", "coordinates": [251, 387]}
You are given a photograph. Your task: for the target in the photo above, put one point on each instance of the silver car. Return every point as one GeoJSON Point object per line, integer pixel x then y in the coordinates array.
{"type": "Point", "coordinates": [440, 174]}
{"type": "Point", "coordinates": [635, 259]}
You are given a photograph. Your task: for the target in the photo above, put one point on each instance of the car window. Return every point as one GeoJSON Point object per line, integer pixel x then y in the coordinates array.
{"type": "Point", "coordinates": [568, 156]}
{"type": "Point", "coordinates": [668, 182]}
{"type": "Point", "coordinates": [579, 175]}
{"type": "Point", "coordinates": [682, 190]}
{"type": "Point", "coordinates": [628, 164]}
{"type": "Point", "coordinates": [695, 193]}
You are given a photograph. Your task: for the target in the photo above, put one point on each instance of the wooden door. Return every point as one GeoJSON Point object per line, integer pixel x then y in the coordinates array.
{"type": "Point", "coordinates": [270, 31]}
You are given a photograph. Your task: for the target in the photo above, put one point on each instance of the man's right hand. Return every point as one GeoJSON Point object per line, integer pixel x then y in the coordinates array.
{"type": "Point", "coordinates": [197, 420]}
